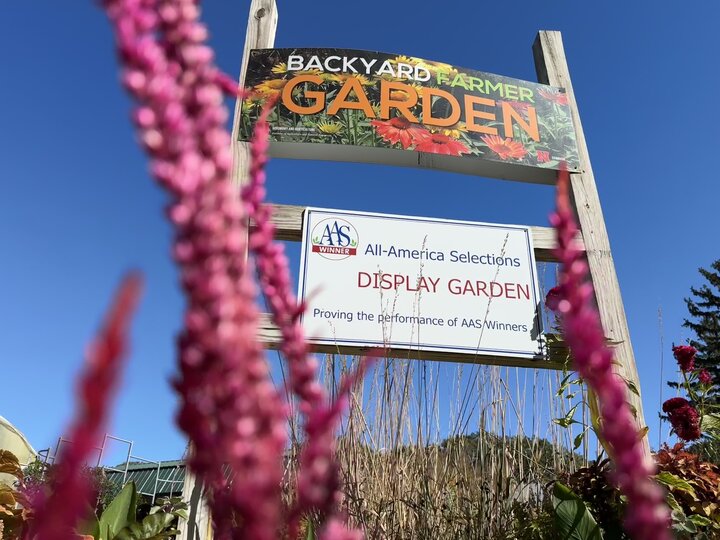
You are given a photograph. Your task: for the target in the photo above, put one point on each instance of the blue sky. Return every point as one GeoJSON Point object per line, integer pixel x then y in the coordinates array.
{"type": "Point", "coordinates": [78, 209]}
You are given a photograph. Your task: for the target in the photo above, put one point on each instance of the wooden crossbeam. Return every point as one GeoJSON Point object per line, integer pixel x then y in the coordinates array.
{"type": "Point", "coordinates": [556, 358]}
{"type": "Point", "coordinates": [288, 221]}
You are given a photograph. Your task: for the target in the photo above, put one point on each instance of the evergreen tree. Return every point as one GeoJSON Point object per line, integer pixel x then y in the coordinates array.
{"type": "Point", "coordinates": [704, 321]}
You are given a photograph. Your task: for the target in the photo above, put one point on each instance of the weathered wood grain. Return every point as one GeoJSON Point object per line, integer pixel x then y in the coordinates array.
{"type": "Point", "coordinates": [269, 335]}
{"type": "Point", "coordinates": [262, 23]}
{"type": "Point", "coordinates": [552, 68]}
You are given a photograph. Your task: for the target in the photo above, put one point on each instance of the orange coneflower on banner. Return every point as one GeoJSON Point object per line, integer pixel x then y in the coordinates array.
{"type": "Point", "coordinates": [439, 143]}
{"type": "Point", "coordinates": [504, 148]}
{"type": "Point", "coordinates": [400, 130]}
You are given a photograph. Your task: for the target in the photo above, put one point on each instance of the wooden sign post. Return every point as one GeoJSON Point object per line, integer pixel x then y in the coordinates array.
{"type": "Point", "coordinates": [552, 68]}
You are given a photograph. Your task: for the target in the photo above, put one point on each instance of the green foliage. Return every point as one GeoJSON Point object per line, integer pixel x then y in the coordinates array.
{"type": "Point", "coordinates": [704, 309]}
{"type": "Point", "coordinates": [38, 476]}
{"type": "Point", "coordinates": [601, 496]}
{"type": "Point", "coordinates": [153, 527]}
{"type": "Point", "coordinates": [120, 513]}
{"type": "Point", "coordinates": [707, 450]}
{"type": "Point", "coordinates": [119, 521]}
{"type": "Point", "coordinates": [694, 492]}
{"type": "Point", "coordinates": [573, 520]}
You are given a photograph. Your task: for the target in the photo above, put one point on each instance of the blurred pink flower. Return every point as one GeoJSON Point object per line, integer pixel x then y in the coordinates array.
{"type": "Point", "coordinates": [58, 513]}
{"type": "Point", "coordinates": [647, 515]}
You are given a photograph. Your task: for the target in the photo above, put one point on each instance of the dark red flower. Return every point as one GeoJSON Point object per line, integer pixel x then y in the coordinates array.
{"type": "Point", "coordinates": [553, 297]}
{"type": "Point", "coordinates": [685, 356]}
{"type": "Point", "coordinates": [675, 403]}
{"type": "Point", "coordinates": [437, 143]}
{"type": "Point", "coordinates": [704, 377]}
{"type": "Point", "coordinates": [683, 417]}
{"type": "Point", "coordinates": [400, 130]}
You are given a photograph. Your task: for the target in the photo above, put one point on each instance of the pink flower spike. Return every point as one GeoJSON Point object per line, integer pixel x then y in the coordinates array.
{"type": "Point", "coordinates": [647, 514]}
{"type": "Point", "coordinates": [57, 515]}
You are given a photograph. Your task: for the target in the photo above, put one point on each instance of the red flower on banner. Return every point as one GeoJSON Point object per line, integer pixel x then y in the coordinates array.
{"type": "Point", "coordinates": [685, 356]}
{"type": "Point", "coordinates": [400, 130]}
{"type": "Point", "coordinates": [438, 143]}
{"type": "Point", "coordinates": [684, 418]}
{"type": "Point", "coordinates": [556, 97]}
{"type": "Point", "coordinates": [504, 148]}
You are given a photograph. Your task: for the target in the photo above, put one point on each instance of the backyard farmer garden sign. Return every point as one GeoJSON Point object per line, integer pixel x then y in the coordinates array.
{"type": "Point", "coordinates": [350, 105]}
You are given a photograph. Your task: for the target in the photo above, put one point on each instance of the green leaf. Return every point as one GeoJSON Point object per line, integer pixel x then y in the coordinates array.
{"type": "Point", "coordinates": [675, 506]}
{"type": "Point", "coordinates": [310, 531]}
{"type": "Point", "coordinates": [578, 440]}
{"type": "Point", "coordinates": [700, 521]}
{"type": "Point", "coordinates": [568, 418]}
{"type": "Point", "coordinates": [711, 422]}
{"type": "Point", "coordinates": [572, 518]}
{"type": "Point", "coordinates": [91, 527]}
{"type": "Point", "coordinates": [153, 527]}
{"type": "Point", "coordinates": [631, 386]}
{"type": "Point", "coordinates": [120, 513]}
{"type": "Point", "coordinates": [675, 482]}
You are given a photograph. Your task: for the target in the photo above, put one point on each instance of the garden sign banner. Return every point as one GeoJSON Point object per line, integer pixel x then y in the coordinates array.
{"type": "Point", "coordinates": [349, 105]}
{"type": "Point", "coordinates": [415, 282]}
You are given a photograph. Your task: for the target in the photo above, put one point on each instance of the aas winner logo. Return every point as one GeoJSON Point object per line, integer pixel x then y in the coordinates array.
{"type": "Point", "coordinates": [334, 239]}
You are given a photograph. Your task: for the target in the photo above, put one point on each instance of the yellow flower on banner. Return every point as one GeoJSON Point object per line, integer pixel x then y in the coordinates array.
{"type": "Point", "coordinates": [405, 60]}
{"type": "Point", "coordinates": [253, 101]}
{"type": "Point", "coordinates": [404, 95]}
{"type": "Point", "coordinates": [438, 67]}
{"type": "Point", "coordinates": [342, 77]}
{"type": "Point", "coordinates": [329, 128]}
{"type": "Point", "coordinates": [271, 87]}
{"type": "Point", "coordinates": [454, 131]}
{"type": "Point", "coordinates": [282, 69]}
{"type": "Point", "coordinates": [279, 69]}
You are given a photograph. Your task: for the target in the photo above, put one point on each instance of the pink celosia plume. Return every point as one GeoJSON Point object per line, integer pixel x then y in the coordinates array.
{"type": "Point", "coordinates": [57, 513]}
{"type": "Point", "coordinates": [647, 516]}
{"type": "Point", "coordinates": [318, 485]}
{"type": "Point", "coordinates": [230, 409]}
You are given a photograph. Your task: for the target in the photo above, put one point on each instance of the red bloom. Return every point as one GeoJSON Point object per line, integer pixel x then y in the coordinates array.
{"type": "Point", "coordinates": [704, 377]}
{"type": "Point", "coordinates": [437, 143]}
{"type": "Point", "coordinates": [504, 148]}
{"type": "Point", "coordinates": [400, 130]}
{"type": "Point", "coordinates": [556, 97]}
{"type": "Point", "coordinates": [685, 356]}
{"type": "Point", "coordinates": [684, 418]}
{"type": "Point", "coordinates": [675, 403]}
{"type": "Point", "coordinates": [553, 298]}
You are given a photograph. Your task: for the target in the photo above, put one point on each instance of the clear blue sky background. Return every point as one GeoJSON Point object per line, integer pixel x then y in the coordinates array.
{"type": "Point", "coordinates": [77, 208]}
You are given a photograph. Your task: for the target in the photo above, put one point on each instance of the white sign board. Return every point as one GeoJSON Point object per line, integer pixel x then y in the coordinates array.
{"type": "Point", "coordinates": [378, 280]}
